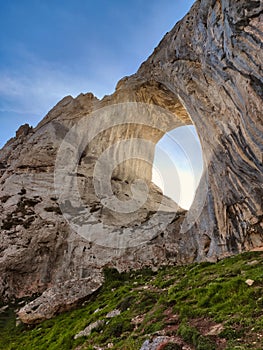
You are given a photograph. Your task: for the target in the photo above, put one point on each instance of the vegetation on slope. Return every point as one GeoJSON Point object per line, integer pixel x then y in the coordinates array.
{"type": "Point", "coordinates": [206, 305]}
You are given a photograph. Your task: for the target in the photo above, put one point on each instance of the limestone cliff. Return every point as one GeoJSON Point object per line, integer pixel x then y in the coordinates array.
{"type": "Point", "coordinates": [42, 251]}
{"type": "Point", "coordinates": [212, 60]}
{"type": "Point", "coordinates": [57, 223]}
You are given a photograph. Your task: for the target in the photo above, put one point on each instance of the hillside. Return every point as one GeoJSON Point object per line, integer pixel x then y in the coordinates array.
{"type": "Point", "coordinates": [200, 306]}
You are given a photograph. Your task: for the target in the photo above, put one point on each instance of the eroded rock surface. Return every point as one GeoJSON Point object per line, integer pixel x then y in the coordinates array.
{"type": "Point", "coordinates": [213, 60]}
{"type": "Point", "coordinates": [62, 297]}
{"type": "Point", "coordinates": [41, 249]}
{"type": "Point", "coordinates": [208, 71]}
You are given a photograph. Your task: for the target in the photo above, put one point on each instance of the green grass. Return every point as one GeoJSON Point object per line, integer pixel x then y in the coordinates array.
{"type": "Point", "coordinates": [206, 293]}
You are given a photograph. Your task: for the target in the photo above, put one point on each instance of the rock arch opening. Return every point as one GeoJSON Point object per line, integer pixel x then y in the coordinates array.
{"type": "Point", "coordinates": [178, 165]}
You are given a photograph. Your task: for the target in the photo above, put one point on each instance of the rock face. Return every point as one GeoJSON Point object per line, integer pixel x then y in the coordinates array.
{"type": "Point", "coordinates": [50, 243]}
{"type": "Point", "coordinates": [63, 296]}
{"type": "Point", "coordinates": [212, 60]}
{"type": "Point", "coordinates": [206, 71]}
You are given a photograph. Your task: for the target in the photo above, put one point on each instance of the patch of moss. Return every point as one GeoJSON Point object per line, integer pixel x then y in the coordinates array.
{"type": "Point", "coordinates": [192, 336]}
{"type": "Point", "coordinates": [126, 303]}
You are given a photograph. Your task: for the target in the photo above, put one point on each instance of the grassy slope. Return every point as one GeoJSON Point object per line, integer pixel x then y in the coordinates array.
{"type": "Point", "coordinates": [183, 301]}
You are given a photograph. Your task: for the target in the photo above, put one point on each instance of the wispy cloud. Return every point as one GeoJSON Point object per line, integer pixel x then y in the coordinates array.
{"type": "Point", "coordinates": [35, 90]}
{"type": "Point", "coordinates": [38, 85]}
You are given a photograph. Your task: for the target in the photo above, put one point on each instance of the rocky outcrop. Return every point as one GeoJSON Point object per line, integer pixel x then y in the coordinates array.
{"type": "Point", "coordinates": [70, 200]}
{"type": "Point", "coordinates": [62, 297]}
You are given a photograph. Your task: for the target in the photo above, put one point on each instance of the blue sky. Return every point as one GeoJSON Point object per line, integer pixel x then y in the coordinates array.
{"type": "Point", "coordinates": [53, 48]}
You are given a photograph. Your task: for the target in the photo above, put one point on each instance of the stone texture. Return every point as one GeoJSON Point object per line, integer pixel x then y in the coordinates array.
{"type": "Point", "coordinates": [86, 332]}
{"type": "Point", "coordinates": [159, 343]}
{"type": "Point", "coordinates": [61, 297]}
{"type": "Point", "coordinates": [212, 60]}
{"type": "Point", "coordinates": [113, 313]}
{"type": "Point", "coordinates": [208, 71]}
{"type": "Point", "coordinates": [249, 282]}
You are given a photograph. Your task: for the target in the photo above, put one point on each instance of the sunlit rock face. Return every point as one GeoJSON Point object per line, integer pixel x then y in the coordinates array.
{"type": "Point", "coordinates": [206, 71]}
{"type": "Point", "coordinates": [213, 60]}
{"type": "Point", "coordinates": [56, 231]}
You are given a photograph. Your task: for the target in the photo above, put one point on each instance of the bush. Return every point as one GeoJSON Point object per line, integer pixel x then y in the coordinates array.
{"type": "Point", "coordinates": [126, 303]}
{"type": "Point", "coordinates": [116, 327]}
{"type": "Point", "coordinates": [189, 334]}
{"type": "Point", "coordinates": [192, 336]}
{"type": "Point", "coordinates": [205, 343]}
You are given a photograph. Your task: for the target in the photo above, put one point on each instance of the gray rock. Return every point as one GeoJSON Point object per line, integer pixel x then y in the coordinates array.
{"type": "Point", "coordinates": [86, 332]}
{"type": "Point", "coordinates": [113, 313]}
{"type": "Point", "coordinates": [61, 297]}
{"type": "Point", "coordinates": [159, 341]}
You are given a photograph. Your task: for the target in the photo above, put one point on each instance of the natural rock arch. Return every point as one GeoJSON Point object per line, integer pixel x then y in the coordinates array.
{"type": "Point", "coordinates": [206, 70]}
{"type": "Point", "coordinates": [212, 61]}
